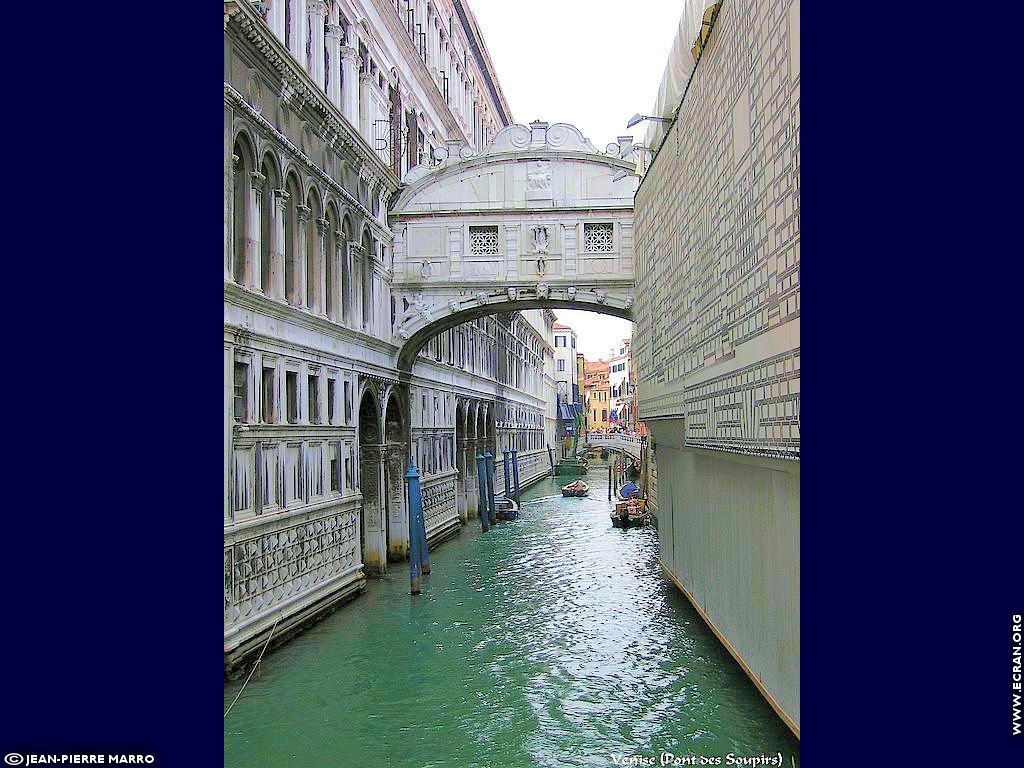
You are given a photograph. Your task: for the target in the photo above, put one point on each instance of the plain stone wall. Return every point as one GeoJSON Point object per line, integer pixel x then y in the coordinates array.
{"type": "Point", "coordinates": [717, 339]}
{"type": "Point", "coordinates": [729, 530]}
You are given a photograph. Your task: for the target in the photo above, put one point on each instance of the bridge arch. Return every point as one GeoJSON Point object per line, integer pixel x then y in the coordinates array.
{"type": "Point", "coordinates": [432, 320]}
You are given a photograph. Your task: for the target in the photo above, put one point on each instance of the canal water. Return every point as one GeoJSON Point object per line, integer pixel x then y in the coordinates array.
{"type": "Point", "coordinates": [554, 640]}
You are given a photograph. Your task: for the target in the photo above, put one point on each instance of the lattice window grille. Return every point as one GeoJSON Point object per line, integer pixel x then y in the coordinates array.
{"type": "Point", "coordinates": [597, 238]}
{"type": "Point", "coordinates": [483, 241]}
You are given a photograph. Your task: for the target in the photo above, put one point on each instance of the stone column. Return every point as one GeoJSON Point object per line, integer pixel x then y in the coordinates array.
{"type": "Point", "coordinates": [366, 116]}
{"type": "Point", "coordinates": [303, 212]}
{"type": "Point", "coordinates": [300, 25]}
{"type": "Point", "coordinates": [382, 501]}
{"type": "Point", "coordinates": [318, 18]}
{"type": "Point", "coordinates": [511, 233]}
{"type": "Point", "coordinates": [322, 256]}
{"type": "Point", "coordinates": [350, 85]}
{"type": "Point", "coordinates": [253, 228]}
{"type": "Point", "coordinates": [280, 200]}
{"type": "Point", "coordinates": [334, 39]}
{"type": "Point", "coordinates": [472, 483]}
{"type": "Point", "coordinates": [229, 223]}
{"type": "Point", "coordinates": [349, 282]}
{"type": "Point", "coordinates": [277, 19]}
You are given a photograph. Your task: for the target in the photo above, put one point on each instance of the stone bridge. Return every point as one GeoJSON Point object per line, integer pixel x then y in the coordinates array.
{"type": "Point", "coordinates": [630, 445]}
{"type": "Point", "coordinates": [538, 218]}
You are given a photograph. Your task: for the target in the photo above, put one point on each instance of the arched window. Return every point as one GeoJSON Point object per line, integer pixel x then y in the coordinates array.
{"type": "Point", "coordinates": [313, 255]}
{"type": "Point", "coordinates": [268, 234]}
{"type": "Point", "coordinates": [331, 264]}
{"type": "Point", "coordinates": [367, 279]}
{"type": "Point", "coordinates": [346, 271]}
{"type": "Point", "coordinates": [291, 242]}
{"type": "Point", "coordinates": [241, 237]}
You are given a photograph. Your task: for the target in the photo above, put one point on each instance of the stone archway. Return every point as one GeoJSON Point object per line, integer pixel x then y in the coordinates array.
{"type": "Point", "coordinates": [372, 522]}
{"type": "Point", "coordinates": [461, 467]}
{"type": "Point", "coordinates": [396, 462]}
{"type": "Point", "coordinates": [469, 447]}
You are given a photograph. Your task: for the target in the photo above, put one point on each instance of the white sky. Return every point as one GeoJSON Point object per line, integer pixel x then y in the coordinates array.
{"type": "Point", "coordinates": [595, 333]}
{"type": "Point", "coordinates": [592, 63]}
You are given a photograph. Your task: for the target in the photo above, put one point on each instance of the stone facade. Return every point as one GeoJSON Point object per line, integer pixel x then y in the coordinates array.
{"type": "Point", "coordinates": [319, 421]}
{"type": "Point", "coordinates": [717, 338]}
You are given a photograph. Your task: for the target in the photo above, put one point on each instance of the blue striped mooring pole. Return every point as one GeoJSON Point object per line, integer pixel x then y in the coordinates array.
{"type": "Point", "coordinates": [412, 477]}
{"type": "Point", "coordinates": [481, 475]}
{"type": "Point", "coordinates": [515, 472]}
{"type": "Point", "coordinates": [489, 466]}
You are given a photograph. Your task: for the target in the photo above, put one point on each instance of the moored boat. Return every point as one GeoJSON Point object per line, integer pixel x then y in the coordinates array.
{"type": "Point", "coordinates": [577, 488]}
{"type": "Point", "coordinates": [629, 522]}
{"type": "Point", "coordinates": [631, 513]}
{"type": "Point", "coordinates": [506, 509]}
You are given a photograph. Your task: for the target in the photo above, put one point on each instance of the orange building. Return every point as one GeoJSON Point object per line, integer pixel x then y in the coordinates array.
{"type": "Point", "coordinates": [597, 394]}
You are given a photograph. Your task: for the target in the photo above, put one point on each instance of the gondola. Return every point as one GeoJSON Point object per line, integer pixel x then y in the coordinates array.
{"type": "Point", "coordinates": [631, 513]}
{"type": "Point", "coordinates": [577, 488]}
{"type": "Point", "coordinates": [506, 509]}
{"type": "Point", "coordinates": [629, 522]}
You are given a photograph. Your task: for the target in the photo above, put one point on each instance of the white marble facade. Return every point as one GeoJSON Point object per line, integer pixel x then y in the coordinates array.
{"type": "Point", "coordinates": [319, 420]}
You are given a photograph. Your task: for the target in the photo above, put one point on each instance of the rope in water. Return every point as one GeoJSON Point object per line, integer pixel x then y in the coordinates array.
{"type": "Point", "coordinates": [253, 670]}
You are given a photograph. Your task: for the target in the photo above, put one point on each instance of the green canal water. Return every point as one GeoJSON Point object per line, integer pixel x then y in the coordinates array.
{"type": "Point", "coordinates": [555, 640]}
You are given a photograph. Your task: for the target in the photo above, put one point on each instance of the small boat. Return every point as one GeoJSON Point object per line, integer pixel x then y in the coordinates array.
{"type": "Point", "coordinates": [631, 513]}
{"type": "Point", "coordinates": [506, 509]}
{"type": "Point", "coordinates": [629, 522]}
{"type": "Point", "coordinates": [577, 488]}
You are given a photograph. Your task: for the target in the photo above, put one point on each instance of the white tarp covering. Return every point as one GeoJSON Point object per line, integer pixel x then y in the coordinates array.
{"type": "Point", "coordinates": [677, 70]}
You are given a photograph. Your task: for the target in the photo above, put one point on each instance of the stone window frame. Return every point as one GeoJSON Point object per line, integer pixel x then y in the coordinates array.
{"type": "Point", "coordinates": [269, 363]}
{"type": "Point", "coordinates": [292, 367]}
{"type": "Point", "coordinates": [245, 358]}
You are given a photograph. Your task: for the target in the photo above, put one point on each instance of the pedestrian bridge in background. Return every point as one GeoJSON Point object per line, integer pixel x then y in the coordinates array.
{"type": "Point", "coordinates": [539, 218]}
{"type": "Point", "coordinates": [625, 443]}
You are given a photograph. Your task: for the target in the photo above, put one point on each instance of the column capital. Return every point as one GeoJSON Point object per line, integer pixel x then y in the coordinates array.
{"type": "Point", "coordinates": [348, 52]}
{"type": "Point", "coordinates": [256, 179]}
{"type": "Point", "coordinates": [303, 211]}
{"type": "Point", "coordinates": [280, 196]}
{"type": "Point", "coordinates": [321, 226]}
{"type": "Point", "coordinates": [335, 31]}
